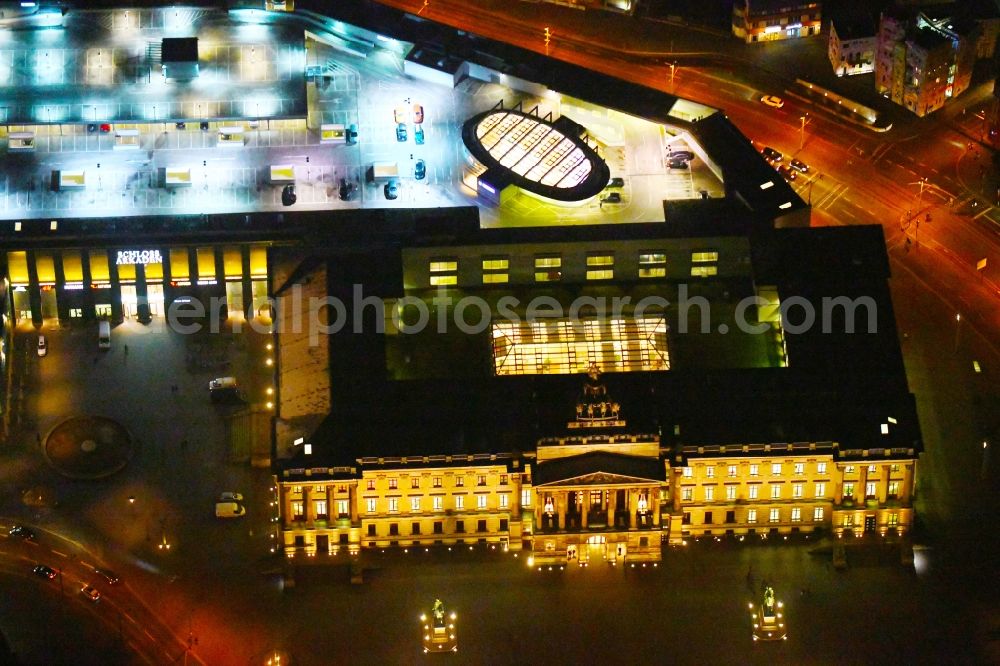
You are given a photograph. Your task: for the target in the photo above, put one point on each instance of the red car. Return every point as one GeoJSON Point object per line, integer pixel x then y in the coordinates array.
{"type": "Point", "coordinates": [105, 128]}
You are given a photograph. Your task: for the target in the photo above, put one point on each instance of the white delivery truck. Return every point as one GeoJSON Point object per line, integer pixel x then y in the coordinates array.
{"type": "Point", "coordinates": [384, 171]}
{"type": "Point", "coordinates": [104, 335]}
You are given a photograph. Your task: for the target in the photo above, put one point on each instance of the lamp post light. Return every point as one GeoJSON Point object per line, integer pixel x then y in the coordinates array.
{"type": "Point", "coordinates": [958, 327]}
{"type": "Point", "coordinates": [548, 38]}
{"type": "Point", "coordinates": [802, 130]}
{"type": "Point", "coordinates": [673, 68]}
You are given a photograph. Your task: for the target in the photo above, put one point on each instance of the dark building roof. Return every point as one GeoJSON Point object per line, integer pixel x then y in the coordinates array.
{"type": "Point", "coordinates": [563, 469]}
{"type": "Point", "coordinates": [179, 49]}
{"type": "Point", "coordinates": [857, 24]}
{"type": "Point", "coordinates": [929, 39]}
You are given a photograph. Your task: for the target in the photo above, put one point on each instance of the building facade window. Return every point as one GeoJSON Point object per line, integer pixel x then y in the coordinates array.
{"type": "Point", "coordinates": [818, 514]}
{"type": "Point", "coordinates": [704, 271]}
{"type": "Point", "coordinates": [415, 504]}
{"type": "Point", "coordinates": [601, 274]}
{"type": "Point", "coordinates": [298, 510]}
{"type": "Point", "coordinates": [503, 479]}
{"type": "Point", "coordinates": [730, 492]}
{"type": "Point", "coordinates": [688, 473]}
{"type": "Point", "coordinates": [731, 471]}
{"type": "Point", "coordinates": [481, 480]}
{"type": "Point", "coordinates": [437, 482]}
{"type": "Point", "coordinates": [775, 469]}
{"type": "Point", "coordinates": [796, 514]}
{"type": "Point", "coordinates": [754, 470]}
{"type": "Point", "coordinates": [526, 498]}
{"type": "Point", "coordinates": [753, 490]}
{"type": "Point", "coordinates": [848, 491]}
{"type": "Point", "coordinates": [371, 484]}
{"type": "Point", "coordinates": [849, 469]}
{"type": "Point", "coordinates": [709, 493]}
{"type": "Point", "coordinates": [481, 501]}
{"type": "Point", "coordinates": [775, 491]}
{"type": "Point", "coordinates": [710, 472]}
{"type": "Point", "coordinates": [343, 508]}
{"type": "Point", "coordinates": [320, 506]}
{"type": "Point", "coordinates": [705, 256]}
{"type": "Point", "coordinates": [459, 502]}
{"type": "Point", "coordinates": [414, 528]}
{"type": "Point", "coordinates": [893, 489]}
{"type": "Point", "coordinates": [459, 481]}
{"type": "Point", "coordinates": [893, 519]}
{"type": "Point", "coordinates": [392, 484]}
{"type": "Point", "coordinates": [652, 265]}
{"type": "Point", "coordinates": [775, 515]}
{"type": "Point", "coordinates": [752, 515]}
{"type": "Point", "coordinates": [820, 489]}
{"type": "Point", "coordinates": [438, 503]}
{"type": "Point", "coordinates": [871, 488]}
{"type": "Point", "coordinates": [687, 494]}
{"type": "Point", "coordinates": [414, 482]}
{"type": "Point", "coordinates": [448, 265]}
{"type": "Point", "coordinates": [800, 469]}
{"type": "Point", "coordinates": [821, 468]}
{"type": "Point", "coordinates": [504, 500]}
{"type": "Point", "coordinates": [371, 504]}
{"type": "Point", "coordinates": [547, 268]}
{"type": "Point", "coordinates": [500, 263]}
{"type": "Point", "coordinates": [796, 490]}
{"type": "Point", "coordinates": [393, 505]}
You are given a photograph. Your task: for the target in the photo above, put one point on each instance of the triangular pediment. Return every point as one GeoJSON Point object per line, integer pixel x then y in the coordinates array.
{"type": "Point", "coordinates": [599, 479]}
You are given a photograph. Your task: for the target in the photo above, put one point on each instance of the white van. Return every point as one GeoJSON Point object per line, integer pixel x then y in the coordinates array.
{"type": "Point", "coordinates": [104, 335]}
{"type": "Point", "coordinates": [229, 510]}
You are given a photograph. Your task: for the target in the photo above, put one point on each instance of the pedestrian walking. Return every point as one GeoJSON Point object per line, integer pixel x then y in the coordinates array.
{"type": "Point", "coordinates": [126, 350]}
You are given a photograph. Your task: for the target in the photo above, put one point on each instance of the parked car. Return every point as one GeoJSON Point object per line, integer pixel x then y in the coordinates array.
{"type": "Point", "coordinates": [91, 128]}
{"type": "Point", "coordinates": [44, 571]}
{"type": "Point", "coordinates": [772, 101]}
{"type": "Point", "coordinates": [105, 128]}
{"type": "Point", "coordinates": [677, 164]}
{"type": "Point", "coordinates": [179, 126]}
{"type": "Point", "coordinates": [685, 155]}
{"type": "Point", "coordinates": [204, 126]}
{"type": "Point", "coordinates": [418, 114]}
{"type": "Point", "coordinates": [799, 165]}
{"type": "Point", "coordinates": [401, 132]}
{"type": "Point", "coordinates": [352, 133]}
{"type": "Point", "coordinates": [770, 154]}
{"type": "Point", "coordinates": [229, 510]}
{"type": "Point", "coordinates": [346, 190]}
{"type": "Point", "coordinates": [43, 346]}
{"type": "Point", "coordinates": [288, 196]}
{"type": "Point", "coordinates": [110, 576]}
{"type": "Point", "coordinates": [616, 182]}
{"type": "Point", "coordinates": [391, 190]}
{"type": "Point", "coordinates": [420, 170]}
{"type": "Point", "coordinates": [91, 593]}
{"type": "Point", "coordinates": [612, 197]}
{"type": "Point", "coordinates": [399, 115]}
{"type": "Point", "coordinates": [418, 135]}
{"type": "Point", "coordinates": [21, 532]}
{"type": "Point", "coordinates": [787, 172]}
{"type": "Point", "coordinates": [230, 496]}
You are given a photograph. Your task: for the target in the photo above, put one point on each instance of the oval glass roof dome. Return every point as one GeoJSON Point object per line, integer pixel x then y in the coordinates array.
{"type": "Point", "coordinates": [547, 158]}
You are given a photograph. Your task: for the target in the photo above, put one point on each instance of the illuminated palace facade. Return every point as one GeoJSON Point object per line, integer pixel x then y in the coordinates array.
{"type": "Point", "coordinates": [681, 431]}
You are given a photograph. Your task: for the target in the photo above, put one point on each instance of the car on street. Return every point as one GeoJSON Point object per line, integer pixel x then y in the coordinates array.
{"type": "Point", "coordinates": [768, 618]}
{"type": "Point", "coordinates": [44, 571]}
{"type": "Point", "coordinates": [91, 128]}
{"type": "Point", "coordinates": [612, 197]}
{"type": "Point", "coordinates": [770, 154]}
{"type": "Point", "coordinates": [418, 135]}
{"type": "Point", "coordinates": [180, 126]}
{"type": "Point", "coordinates": [391, 190]}
{"type": "Point", "coordinates": [799, 165]}
{"type": "Point", "coordinates": [401, 132]}
{"type": "Point", "coordinates": [230, 497]}
{"type": "Point", "coordinates": [110, 576]}
{"type": "Point", "coordinates": [420, 170]}
{"type": "Point", "coordinates": [346, 190]}
{"type": "Point", "coordinates": [352, 133]}
{"type": "Point", "coordinates": [399, 115]}
{"type": "Point", "coordinates": [204, 126]}
{"type": "Point", "coordinates": [772, 101]}
{"type": "Point", "coordinates": [288, 196]}
{"type": "Point", "coordinates": [616, 182]}
{"type": "Point", "coordinates": [21, 532]}
{"type": "Point", "coordinates": [91, 593]}
{"type": "Point", "coordinates": [439, 629]}
{"type": "Point", "coordinates": [685, 155]}
{"type": "Point", "coordinates": [418, 114]}
{"type": "Point", "coordinates": [43, 346]}
{"type": "Point", "coordinates": [677, 164]}
{"type": "Point", "coordinates": [787, 172]}
{"type": "Point", "coordinates": [105, 128]}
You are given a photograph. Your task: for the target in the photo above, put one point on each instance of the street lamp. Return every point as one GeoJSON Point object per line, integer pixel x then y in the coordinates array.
{"type": "Point", "coordinates": [673, 67]}
{"type": "Point", "coordinates": [958, 327]}
{"type": "Point", "coordinates": [548, 38]}
{"type": "Point", "coordinates": [802, 131]}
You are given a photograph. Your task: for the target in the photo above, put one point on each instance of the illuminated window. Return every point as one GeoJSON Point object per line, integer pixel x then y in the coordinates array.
{"type": "Point", "coordinates": [481, 480]}
{"type": "Point", "coordinates": [652, 258]}
{"type": "Point", "coordinates": [731, 471]}
{"type": "Point", "coordinates": [688, 473]}
{"type": "Point", "coordinates": [704, 257]}
{"type": "Point", "coordinates": [444, 280]}
{"type": "Point", "coordinates": [504, 500]}
{"type": "Point", "coordinates": [503, 479]}
{"type": "Point", "coordinates": [704, 271]}
{"type": "Point", "coordinates": [297, 490]}
{"type": "Point", "coordinates": [849, 469]}
{"type": "Point", "coordinates": [730, 492]}
{"type": "Point", "coordinates": [414, 504]}
{"type": "Point", "coordinates": [414, 482]}
{"type": "Point", "coordinates": [775, 491]}
{"type": "Point", "coordinates": [495, 278]}
{"type": "Point", "coordinates": [796, 514]}
{"type": "Point", "coordinates": [687, 494]}
{"type": "Point", "coordinates": [818, 514]}
{"type": "Point", "coordinates": [600, 260]}
{"type": "Point", "coordinates": [459, 481]}
{"type": "Point", "coordinates": [371, 484]}
{"type": "Point", "coordinates": [526, 498]}
{"type": "Point", "coordinates": [754, 470]}
{"type": "Point", "coordinates": [710, 471]}
{"type": "Point", "coordinates": [459, 502]}
{"type": "Point", "coordinates": [893, 489]}
{"type": "Point", "coordinates": [775, 515]}
{"type": "Point", "coordinates": [709, 493]}
{"type": "Point", "coordinates": [298, 510]}
{"type": "Point", "coordinates": [603, 274]}
{"type": "Point", "coordinates": [754, 489]}
{"type": "Point", "coordinates": [496, 264]}
{"type": "Point", "coordinates": [893, 519]}
{"type": "Point", "coordinates": [443, 266]}
{"type": "Point", "coordinates": [371, 504]}
{"type": "Point", "coordinates": [797, 490]}
{"type": "Point", "coordinates": [437, 481]}
{"type": "Point", "coordinates": [872, 469]}
{"type": "Point", "coordinates": [820, 489]}
{"type": "Point", "coordinates": [393, 505]}
{"type": "Point", "coordinates": [848, 490]}
{"type": "Point", "coordinates": [652, 265]}
{"type": "Point", "coordinates": [775, 469]}
{"type": "Point", "coordinates": [893, 468]}
{"type": "Point", "coordinates": [548, 261]}
{"type": "Point", "coordinates": [481, 501]}
{"type": "Point", "coordinates": [849, 520]}
{"type": "Point", "coordinates": [752, 515]}
{"type": "Point", "coordinates": [392, 484]}
{"type": "Point", "coordinates": [871, 488]}
{"type": "Point", "coordinates": [821, 468]}
{"type": "Point", "coordinates": [343, 508]}
{"type": "Point", "coordinates": [548, 276]}
{"type": "Point", "coordinates": [800, 468]}
{"type": "Point", "coordinates": [438, 503]}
